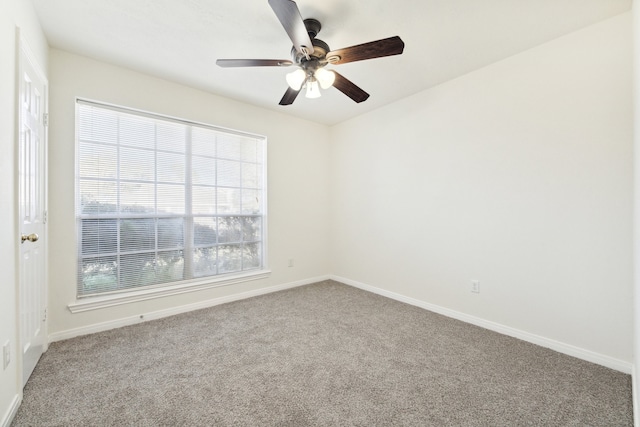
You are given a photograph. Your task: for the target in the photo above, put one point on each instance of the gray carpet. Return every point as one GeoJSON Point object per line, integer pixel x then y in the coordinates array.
{"type": "Point", "coordinates": [319, 355]}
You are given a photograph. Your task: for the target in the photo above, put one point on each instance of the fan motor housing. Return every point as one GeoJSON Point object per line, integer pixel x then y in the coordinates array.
{"type": "Point", "coordinates": [320, 50]}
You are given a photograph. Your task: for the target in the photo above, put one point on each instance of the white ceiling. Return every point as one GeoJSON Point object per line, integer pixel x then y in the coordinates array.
{"type": "Point", "coordinates": [180, 40]}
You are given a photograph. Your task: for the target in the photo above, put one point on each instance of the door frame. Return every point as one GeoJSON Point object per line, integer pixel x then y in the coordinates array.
{"type": "Point", "coordinates": [24, 52]}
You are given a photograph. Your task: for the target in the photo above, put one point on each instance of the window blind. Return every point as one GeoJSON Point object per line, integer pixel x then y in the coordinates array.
{"type": "Point", "coordinates": [161, 200]}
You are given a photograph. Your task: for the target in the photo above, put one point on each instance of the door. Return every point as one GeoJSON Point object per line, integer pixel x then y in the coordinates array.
{"type": "Point", "coordinates": [32, 210]}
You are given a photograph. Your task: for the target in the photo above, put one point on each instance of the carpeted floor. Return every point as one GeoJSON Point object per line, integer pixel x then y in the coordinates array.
{"type": "Point", "coordinates": [319, 355]}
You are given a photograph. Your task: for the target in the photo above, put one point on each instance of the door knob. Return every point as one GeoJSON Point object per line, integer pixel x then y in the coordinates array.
{"type": "Point", "coordinates": [33, 237]}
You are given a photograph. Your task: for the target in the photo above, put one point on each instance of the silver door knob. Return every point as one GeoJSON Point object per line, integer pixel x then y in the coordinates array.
{"type": "Point", "coordinates": [33, 237]}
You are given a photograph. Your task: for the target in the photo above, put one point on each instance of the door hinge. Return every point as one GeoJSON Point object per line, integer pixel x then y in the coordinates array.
{"type": "Point", "coordinates": [45, 216]}
{"type": "Point", "coordinates": [44, 317]}
{"type": "Point", "coordinates": [45, 119]}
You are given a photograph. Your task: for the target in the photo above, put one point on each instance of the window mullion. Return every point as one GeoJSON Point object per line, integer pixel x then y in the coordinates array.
{"type": "Point", "coordinates": [188, 252]}
{"type": "Point", "coordinates": [155, 199]}
{"type": "Point", "coordinates": [118, 222]}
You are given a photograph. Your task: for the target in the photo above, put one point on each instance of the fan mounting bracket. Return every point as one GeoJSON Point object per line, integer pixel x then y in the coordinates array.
{"type": "Point", "coordinates": [313, 27]}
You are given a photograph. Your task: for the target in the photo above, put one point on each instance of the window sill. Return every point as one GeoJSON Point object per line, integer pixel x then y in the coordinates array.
{"type": "Point", "coordinates": [96, 303]}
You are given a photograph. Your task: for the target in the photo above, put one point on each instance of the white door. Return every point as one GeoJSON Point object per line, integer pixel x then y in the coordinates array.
{"type": "Point", "coordinates": [32, 211]}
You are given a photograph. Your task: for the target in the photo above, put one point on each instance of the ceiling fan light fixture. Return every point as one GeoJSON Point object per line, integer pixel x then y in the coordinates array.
{"type": "Point", "coordinates": [296, 78]}
{"type": "Point", "coordinates": [311, 54]}
{"type": "Point", "coordinates": [325, 77]}
{"type": "Point", "coordinates": [313, 90]}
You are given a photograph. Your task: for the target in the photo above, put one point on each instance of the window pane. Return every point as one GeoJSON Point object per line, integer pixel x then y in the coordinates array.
{"type": "Point", "coordinates": [204, 200]}
{"type": "Point", "coordinates": [228, 173]}
{"type": "Point", "coordinates": [137, 198]}
{"type": "Point", "coordinates": [229, 146]}
{"type": "Point", "coordinates": [170, 233]}
{"type": "Point", "coordinates": [229, 200]}
{"type": "Point", "coordinates": [137, 270]}
{"type": "Point", "coordinates": [205, 261]}
{"type": "Point", "coordinates": [251, 228]}
{"type": "Point", "coordinates": [99, 236]}
{"type": "Point", "coordinates": [97, 161]}
{"type": "Point", "coordinates": [204, 142]}
{"type": "Point", "coordinates": [203, 170]}
{"type": "Point", "coordinates": [139, 165]}
{"type": "Point", "coordinates": [169, 266]}
{"type": "Point", "coordinates": [250, 151]}
{"type": "Point", "coordinates": [204, 231]}
{"type": "Point", "coordinates": [98, 275]}
{"type": "Point", "coordinates": [136, 131]}
{"type": "Point", "coordinates": [251, 201]}
{"type": "Point", "coordinates": [137, 235]}
{"type": "Point", "coordinates": [171, 168]}
{"type": "Point", "coordinates": [229, 258]}
{"type": "Point", "coordinates": [171, 199]}
{"type": "Point", "coordinates": [170, 137]}
{"type": "Point", "coordinates": [251, 176]}
{"type": "Point", "coordinates": [97, 197]}
{"type": "Point", "coordinates": [251, 256]}
{"type": "Point", "coordinates": [229, 229]}
{"type": "Point", "coordinates": [97, 124]}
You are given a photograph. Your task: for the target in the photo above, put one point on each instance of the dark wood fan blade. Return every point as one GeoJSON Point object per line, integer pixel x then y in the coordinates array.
{"type": "Point", "coordinates": [377, 49]}
{"type": "Point", "coordinates": [289, 15]}
{"type": "Point", "coordinates": [226, 63]}
{"type": "Point", "coordinates": [289, 96]}
{"type": "Point", "coordinates": [349, 88]}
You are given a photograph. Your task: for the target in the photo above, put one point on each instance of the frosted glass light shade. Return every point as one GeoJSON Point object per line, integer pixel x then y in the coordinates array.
{"type": "Point", "coordinates": [313, 91]}
{"type": "Point", "coordinates": [296, 78]}
{"type": "Point", "coordinates": [325, 77]}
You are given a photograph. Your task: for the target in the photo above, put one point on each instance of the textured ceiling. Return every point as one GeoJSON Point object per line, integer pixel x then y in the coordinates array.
{"type": "Point", "coordinates": [180, 40]}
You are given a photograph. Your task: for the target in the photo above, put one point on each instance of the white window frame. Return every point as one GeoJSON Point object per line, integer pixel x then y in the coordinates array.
{"type": "Point", "coordinates": [86, 303]}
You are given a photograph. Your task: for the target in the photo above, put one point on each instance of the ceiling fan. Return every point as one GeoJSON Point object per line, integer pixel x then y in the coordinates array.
{"type": "Point", "coordinates": [311, 55]}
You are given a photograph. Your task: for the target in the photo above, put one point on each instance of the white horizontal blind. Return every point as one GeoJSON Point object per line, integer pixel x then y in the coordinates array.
{"type": "Point", "coordinates": [160, 200]}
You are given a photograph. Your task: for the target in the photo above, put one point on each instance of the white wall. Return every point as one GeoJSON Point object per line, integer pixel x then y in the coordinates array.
{"type": "Point", "coordinates": [21, 14]}
{"type": "Point", "coordinates": [518, 175]}
{"type": "Point", "coordinates": [297, 155]}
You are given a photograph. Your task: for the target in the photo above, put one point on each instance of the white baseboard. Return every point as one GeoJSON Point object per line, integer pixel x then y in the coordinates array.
{"type": "Point", "coordinates": [580, 353]}
{"type": "Point", "coordinates": [126, 321]}
{"type": "Point", "coordinates": [11, 412]}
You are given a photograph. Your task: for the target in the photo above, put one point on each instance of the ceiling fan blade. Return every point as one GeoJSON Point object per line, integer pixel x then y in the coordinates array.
{"type": "Point", "coordinates": [349, 88]}
{"type": "Point", "coordinates": [226, 63]}
{"type": "Point", "coordinates": [377, 49]}
{"type": "Point", "coordinates": [289, 96]}
{"type": "Point", "coordinates": [289, 15]}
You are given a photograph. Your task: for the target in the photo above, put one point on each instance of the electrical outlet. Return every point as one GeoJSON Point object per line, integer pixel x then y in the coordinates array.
{"type": "Point", "coordinates": [6, 355]}
{"type": "Point", "coordinates": [291, 262]}
{"type": "Point", "coordinates": [475, 286]}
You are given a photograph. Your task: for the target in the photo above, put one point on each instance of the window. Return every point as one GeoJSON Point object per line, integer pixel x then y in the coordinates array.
{"type": "Point", "coordinates": [161, 200]}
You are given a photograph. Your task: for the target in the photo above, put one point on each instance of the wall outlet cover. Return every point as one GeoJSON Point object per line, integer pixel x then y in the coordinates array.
{"type": "Point", "coordinates": [475, 286]}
